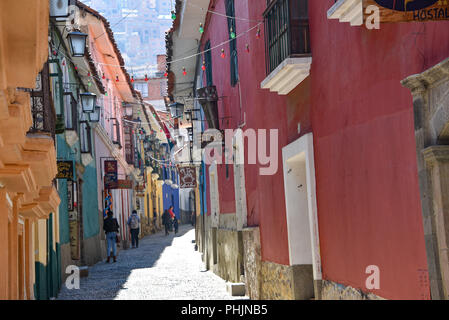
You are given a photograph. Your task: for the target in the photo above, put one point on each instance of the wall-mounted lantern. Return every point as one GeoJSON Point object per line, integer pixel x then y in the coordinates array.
{"type": "Point", "coordinates": [129, 111]}
{"type": "Point", "coordinates": [77, 41]}
{"type": "Point", "coordinates": [176, 110]}
{"type": "Point", "coordinates": [59, 8]}
{"type": "Point", "coordinates": [88, 101]}
{"type": "Point", "coordinates": [95, 116]}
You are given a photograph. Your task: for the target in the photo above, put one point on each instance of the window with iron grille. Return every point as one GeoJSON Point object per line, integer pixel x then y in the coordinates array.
{"type": "Point", "coordinates": [208, 61]}
{"type": "Point", "coordinates": [230, 12]}
{"type": "Point", "coordinates": [71, 111]}
{"type": "Point", "coordinates": [129, 145]}
{"type": "Point", "coordinates": [85, 137]}
{"type": "Point", "coordinates": [286, 31]}
{"type": "Point", "coordinates": [42, 109]}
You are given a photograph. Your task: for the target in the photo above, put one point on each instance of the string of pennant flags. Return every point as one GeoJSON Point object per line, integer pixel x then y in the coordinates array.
{"type": "Point", "coordinates": [233, 36]}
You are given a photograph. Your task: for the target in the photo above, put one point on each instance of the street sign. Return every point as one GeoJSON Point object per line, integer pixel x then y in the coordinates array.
{"type": "Point", "coordinates": [65, 170]}
{"type": "Point", "coordinates": [124, 184]}
{"type": "Point", "coordinates": [110, 174]}
{"type": "Point", "coordinates": [187, 177]}
{"type": "Point", "coordinates": [408, 10]}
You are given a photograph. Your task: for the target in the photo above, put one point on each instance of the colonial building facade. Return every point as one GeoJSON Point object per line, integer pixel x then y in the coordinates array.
{"type": "Point", "coordinates": [350, 197]}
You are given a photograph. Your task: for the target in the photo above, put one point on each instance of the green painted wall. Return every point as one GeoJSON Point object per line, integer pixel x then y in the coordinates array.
{"type": "Point", "coordinates": [48, 276]}
{"type": "Point", "coordinates": [64, 152]}
{"type": "Point", "coordinates": [91, 225]}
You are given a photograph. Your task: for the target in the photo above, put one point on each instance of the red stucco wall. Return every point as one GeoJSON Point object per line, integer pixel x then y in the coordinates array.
{"type": "Point", "coordinates": [362, 119]}
{"type": "Point", "coordinates": [264, 110]}
{"type": "Point", "coordinates": [367, 186]}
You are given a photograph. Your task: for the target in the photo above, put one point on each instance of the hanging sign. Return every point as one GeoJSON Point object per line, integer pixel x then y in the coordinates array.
{"type": "Point", "coordinates": [187, 177]}
{"type": "Point", "coordinates": [110, 174]}
{"type": "Point", "coordinates": [65, 170]}
{"type": "Point", "coordinates": [408, 10]}
{"type": "Point", "coordinates": [123, 184]}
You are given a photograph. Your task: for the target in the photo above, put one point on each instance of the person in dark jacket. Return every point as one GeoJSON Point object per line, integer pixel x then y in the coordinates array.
{"type": "Point", "coordinates": [166, 221]}
{"type": "Point", "coordinates": [134, 224]}
{"type": "Point", "coordinates": [175, 224]}
{"type": "Point", "coordinates": [111, 228]}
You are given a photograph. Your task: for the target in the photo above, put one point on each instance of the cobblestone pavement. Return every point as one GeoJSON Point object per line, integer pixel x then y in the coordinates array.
{"type": "Point", "coordinates": [162, 268]}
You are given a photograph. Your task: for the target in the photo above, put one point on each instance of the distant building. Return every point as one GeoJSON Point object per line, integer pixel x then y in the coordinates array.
{"type": "Point", "coordinates": [139, 27]}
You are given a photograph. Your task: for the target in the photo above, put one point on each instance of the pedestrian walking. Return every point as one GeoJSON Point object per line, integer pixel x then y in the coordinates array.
{"type": "Point", "coordinates": [111, 228]}
{"type": "Point", "coordinates": [172, 216]}
{"type": "Point", "coordinates": [170, 210]}
{"type": "Point", "coordinates": [134, 223]}
{"type": "Point", "coordinates": [193, 218]}
{"type": "Point", "coordinates": [166, 221]}
{"type": "Point", "coordinates": [175, 224]}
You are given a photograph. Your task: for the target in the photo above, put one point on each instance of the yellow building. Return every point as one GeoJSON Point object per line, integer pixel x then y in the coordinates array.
{"type": "Point", "coordinates": [153, 203]}
{"type": "Point", "coordinates": [27, 156]}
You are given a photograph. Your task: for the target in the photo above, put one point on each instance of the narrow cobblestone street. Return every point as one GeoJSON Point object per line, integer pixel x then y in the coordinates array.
{"type": "Point", "coordinates": [163, 267]}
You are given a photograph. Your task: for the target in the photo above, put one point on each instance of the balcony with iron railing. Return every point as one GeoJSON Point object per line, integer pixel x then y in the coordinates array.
{"type": "Point", "coordinates": [287, 44]}
{"type": "Point", "coordinates": [42, 109]}
{"type": "Point", "coordinates": [33, 174]}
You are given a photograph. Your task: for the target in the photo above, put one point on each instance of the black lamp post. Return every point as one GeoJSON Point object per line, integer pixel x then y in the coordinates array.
{"type": "Point", "coordinates": [88, 101]}
{"type": "Point", "coordinates": [176, 109]}
{"type": "Point", "coordinates": [77, 41]}
{"type": "Point", "coordinates": [129, 111]}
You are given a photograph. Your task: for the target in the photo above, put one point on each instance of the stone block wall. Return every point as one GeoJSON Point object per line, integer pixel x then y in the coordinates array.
{"type": "Point", "coordinates": [252, 262]}
{"type": "Point", "coordinates": [336, 291]}
{"type": "Point", "coordinates": [230, 254]}
{"type": "Point", "coordinates": [277, 282]}
{"type": "Point", "coordinates": [281, 282]}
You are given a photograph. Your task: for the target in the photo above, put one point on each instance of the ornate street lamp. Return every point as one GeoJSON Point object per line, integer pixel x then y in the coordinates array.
{"type": "Point", "coordinates": [95, 116]}
{"type": "Point", "coordinates": [59, 8]}
{"type": "Point", "coordinates": [88, 101]}
{"type": "Point", "coordinates": [176, 109]}
{"type": "Point", "coordinates": [77, 41]}
{"type": "Point", "coordinates": [129, 111]}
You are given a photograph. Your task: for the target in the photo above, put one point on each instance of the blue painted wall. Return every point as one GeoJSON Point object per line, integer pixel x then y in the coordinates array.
{"type": "Point", "coordinates": [171, 198]}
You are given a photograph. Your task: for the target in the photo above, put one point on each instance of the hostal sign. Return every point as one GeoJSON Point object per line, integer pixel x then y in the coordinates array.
{"type": "Point", "coordinates": [409, 10]}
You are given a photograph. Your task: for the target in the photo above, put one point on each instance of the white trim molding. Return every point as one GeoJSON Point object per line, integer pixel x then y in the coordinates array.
{"type": "Point", "coordinates": [288, 75]}
{"type": "Point", "coordinates": [300, 200]}
{"type": "Point", "coordinates": [214, 195]}
{"type": "Point", "coordinates": [347, 11]}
